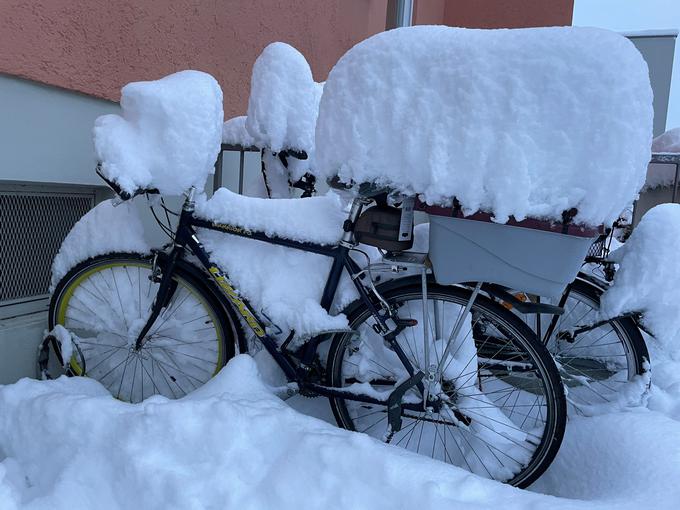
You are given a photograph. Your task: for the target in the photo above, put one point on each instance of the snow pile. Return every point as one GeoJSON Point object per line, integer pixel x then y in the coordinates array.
{"type": "Point", "coordinates": [286, 284]}
{"type": "Point", "coordinates": [104, 229]}
{"type": "Point", "coordinates": [648, 279]}
{"type": "Point", "coordinates": [168, 135]}
{"type": "Point", "coordinates": [284, 103]}
{"type": "Point", "coordinates": [234, 132]}
{"type": "Point", "coordinates": [527, 122]}
{"type": "Point", "coordinates": [315, 219]}
{"type": "Point", "coordinates": [67, 444]}
{"type": "Point", "coordinates": [618, 460]}
{"type": "Point", "coordinates": [668, 142]}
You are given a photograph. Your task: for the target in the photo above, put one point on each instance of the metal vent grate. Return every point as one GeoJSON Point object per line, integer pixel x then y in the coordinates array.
{"type": "Point", "coordinates": [32, 227]}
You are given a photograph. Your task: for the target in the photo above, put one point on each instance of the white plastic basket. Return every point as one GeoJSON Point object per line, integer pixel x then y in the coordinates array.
{"type": "Point", "coordinates": [537, 261]}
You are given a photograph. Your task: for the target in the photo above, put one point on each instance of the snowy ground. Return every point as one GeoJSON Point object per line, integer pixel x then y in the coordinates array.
{"type": "Point", "coordinates": [232, 444]}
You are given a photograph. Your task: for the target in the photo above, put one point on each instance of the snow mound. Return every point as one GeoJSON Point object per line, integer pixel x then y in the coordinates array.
{"type": "Point", "coordinates": [647, 279]}
{"type": "Point", "coordinates": [234, 132]}
{"type": "Point", "coordinates": [285, 283]}
{"type": "Point", "coordinates": [67, 444]}
{"type": "Point", "coordinates": [525, 122]}
{"type": "Point", "coordinates": [168, 135]}
{"type": "Point", "coordinates": [667, 142]}
{"type": "Point", "coordinates": [104, 229]}
{"type": "Point", "coordinates": [284, 100]}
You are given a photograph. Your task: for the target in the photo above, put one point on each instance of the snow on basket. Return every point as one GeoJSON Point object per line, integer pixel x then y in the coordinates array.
{"type": "Point", "coordinates": [552, 124]}
{"type": "Point", "coordinates": [167, 136]}
{"type": "Point", "coordinates": [523, 123]}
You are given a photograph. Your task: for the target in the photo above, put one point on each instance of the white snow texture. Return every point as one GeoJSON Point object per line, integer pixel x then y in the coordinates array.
{"type": "Point", "coordinates": [284, 100]}
{"type": "Point", "coordinates": [647, 279]}
{"type": "Point", "coordinates": [234, 132]}
{"type": "Point", "coordinates": [524, 122]}
{"type": "Point", "coordinates": [667, 142]}
{"type": "Point", "coordinates": [104, 229]}
{"type": "Point", "coordinates": [283, 282]}
{"type": "Point", "coordinates": [167, 136]}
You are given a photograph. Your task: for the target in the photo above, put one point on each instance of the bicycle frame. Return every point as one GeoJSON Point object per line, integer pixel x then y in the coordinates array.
{"type": "Point", "coordinates": [185, 237]}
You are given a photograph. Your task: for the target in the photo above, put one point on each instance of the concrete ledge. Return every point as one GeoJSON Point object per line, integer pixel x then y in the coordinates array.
{"type": "Point", "coordinates": [19, 341]}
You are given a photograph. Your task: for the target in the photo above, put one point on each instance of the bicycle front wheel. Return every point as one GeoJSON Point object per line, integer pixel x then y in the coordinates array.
{"type": "Point", "coordinates": [497, 374]}
{"type": "Point", "coordinates": [104, 303]}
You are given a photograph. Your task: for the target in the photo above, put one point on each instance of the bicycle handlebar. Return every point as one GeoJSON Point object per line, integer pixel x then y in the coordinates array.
{"type": "Point", "coordinates": [122, 194]}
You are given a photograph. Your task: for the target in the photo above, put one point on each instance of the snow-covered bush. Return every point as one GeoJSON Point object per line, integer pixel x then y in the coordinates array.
{"type": "Point", "coordinates": [527, 122]}
{"type": "Point", "coordinates": [167, 136]}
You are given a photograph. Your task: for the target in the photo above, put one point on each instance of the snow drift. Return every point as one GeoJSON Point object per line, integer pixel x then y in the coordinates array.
{"type": "Point", "coordinates": [67, 444]}
{"type": "Point", "coordinates": [527, 122]}
{"type": "Point", "coordinates": [167, 136]}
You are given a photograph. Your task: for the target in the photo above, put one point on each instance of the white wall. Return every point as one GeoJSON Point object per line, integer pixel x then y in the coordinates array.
{"type": "Point", "coordinates": [45, 137]}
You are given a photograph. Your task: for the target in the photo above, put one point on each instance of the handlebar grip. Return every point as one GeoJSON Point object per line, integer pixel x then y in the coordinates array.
{"type": "Point", "coordinates": [122, 194]}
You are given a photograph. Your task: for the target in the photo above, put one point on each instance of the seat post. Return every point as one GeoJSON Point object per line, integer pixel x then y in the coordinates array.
{"type": "Point", "coordinates": [355, 211]}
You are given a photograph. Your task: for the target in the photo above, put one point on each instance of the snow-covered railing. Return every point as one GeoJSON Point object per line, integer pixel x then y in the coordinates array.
{"type": "Point", "coordinates": [667, 158]}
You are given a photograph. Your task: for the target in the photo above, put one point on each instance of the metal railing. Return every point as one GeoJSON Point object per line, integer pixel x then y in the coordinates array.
{"type": "Point", "coordinates": [217, 178]}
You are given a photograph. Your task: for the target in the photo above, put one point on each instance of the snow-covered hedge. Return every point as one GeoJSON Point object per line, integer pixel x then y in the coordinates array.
{"type": "Point", "coordinates": [526, 122]}
{"type": "Point", "coordinates": [167, 136]}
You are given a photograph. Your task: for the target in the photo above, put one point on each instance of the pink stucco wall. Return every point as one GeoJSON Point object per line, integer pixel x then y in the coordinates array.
{"type": "Point", "coordinates": [494, 13]}
{"type": "Point", "coordinates": [96, 46]}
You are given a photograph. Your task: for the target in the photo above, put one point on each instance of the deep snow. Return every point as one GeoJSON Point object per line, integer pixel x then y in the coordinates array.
{"type": "Point", "coordinates": [507, 121]}
{"type": "Point", "coordinates": [68, 444]}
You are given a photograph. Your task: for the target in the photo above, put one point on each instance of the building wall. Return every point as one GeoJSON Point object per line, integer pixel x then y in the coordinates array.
{"type": "Point", "coordinates": [97, 46]}
{"type": "Point", "coordinates": [494, 13]}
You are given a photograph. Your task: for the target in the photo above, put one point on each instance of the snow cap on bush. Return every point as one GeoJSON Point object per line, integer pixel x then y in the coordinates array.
{"type": "Point", "coordinates": [525, 122]}
{"type": "Point", "coordinates": [167, 136]}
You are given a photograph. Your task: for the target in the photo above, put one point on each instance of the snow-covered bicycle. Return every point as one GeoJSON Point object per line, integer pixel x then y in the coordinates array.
{"type": "Point", "coordinates": [447, 372]}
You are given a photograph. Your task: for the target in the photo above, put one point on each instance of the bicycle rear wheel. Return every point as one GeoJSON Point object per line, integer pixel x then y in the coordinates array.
{"type": "Point", "coordinates": [105, 301]}
{"type": "Point", "coordinates": [498, 375]}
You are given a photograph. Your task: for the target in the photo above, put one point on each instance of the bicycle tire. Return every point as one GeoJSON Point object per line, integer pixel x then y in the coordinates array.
{"type": "Point", "coordinates": [522, 347]}
{"type": "Point", "coordinates": [105, 300]}
{"type": "Point", "coordinates": [607, 363]}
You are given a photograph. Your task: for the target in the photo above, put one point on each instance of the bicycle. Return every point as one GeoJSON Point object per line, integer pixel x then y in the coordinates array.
{"type": "Point", "coordinates": [420, 362]}
{"type": "Point", "coordinates": [598, 361]}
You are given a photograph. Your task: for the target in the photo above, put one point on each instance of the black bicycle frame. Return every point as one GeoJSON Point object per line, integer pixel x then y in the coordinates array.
{"type": "Point", "coordinates": [185, 237]}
